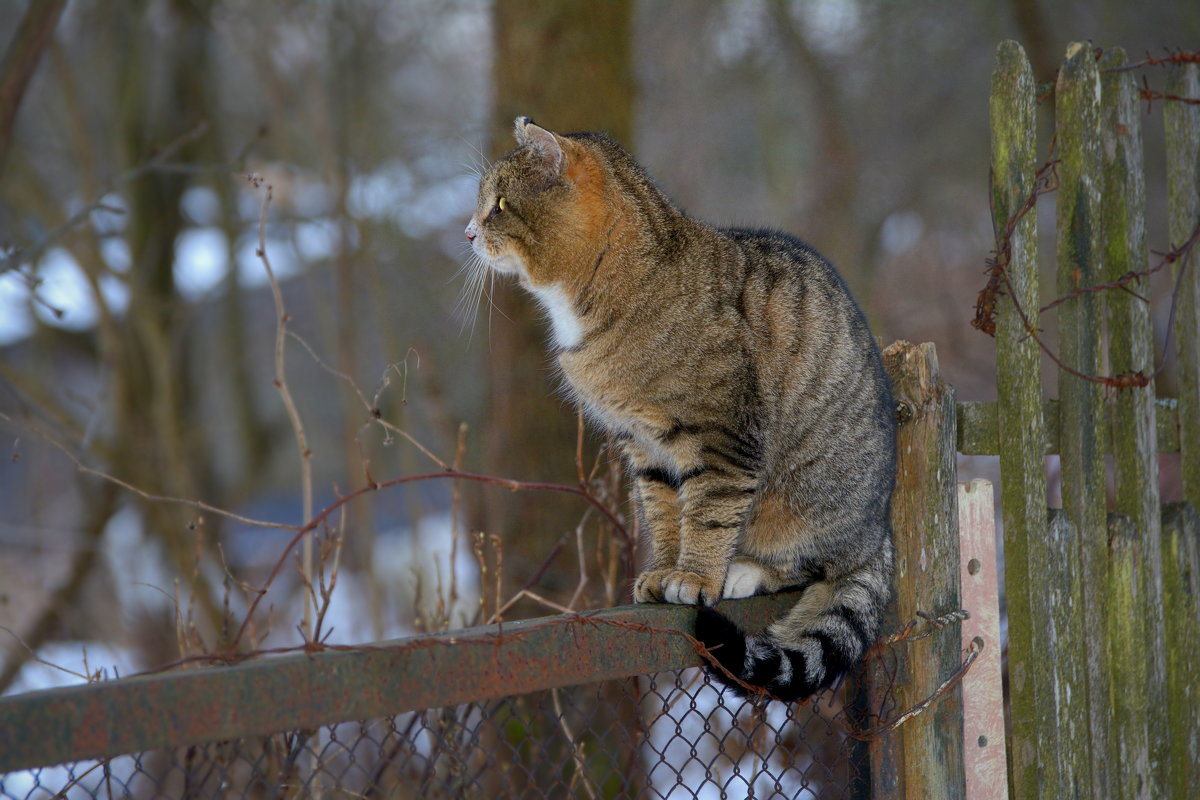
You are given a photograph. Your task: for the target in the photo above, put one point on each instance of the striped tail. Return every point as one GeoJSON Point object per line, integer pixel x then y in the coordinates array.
{"type": "Point", "coordinates": [825, 634]}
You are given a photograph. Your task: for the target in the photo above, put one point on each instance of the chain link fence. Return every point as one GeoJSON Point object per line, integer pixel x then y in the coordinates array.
{"type": "Point", "coordinates": [669, 735]}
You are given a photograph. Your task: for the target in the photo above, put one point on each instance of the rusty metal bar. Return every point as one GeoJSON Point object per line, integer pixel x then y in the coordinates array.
{"type": "Point", "coordinates": [303, 691]}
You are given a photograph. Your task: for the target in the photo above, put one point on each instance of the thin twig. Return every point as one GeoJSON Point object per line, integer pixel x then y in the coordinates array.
{"type": "Point", "coordinates": [285, 394]}
{"type": "Point", "coordinates": [372, 408]}
{"type": "Point", "coordinates": [199, 505]}
{"type": "Point", "coordinates": [30, 254]}
{"type": "Point", "coordinates": [576, 750]}
{"type": "Point", "coordinates": [973, 651]}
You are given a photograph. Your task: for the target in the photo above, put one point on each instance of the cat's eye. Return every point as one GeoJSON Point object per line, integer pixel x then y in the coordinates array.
{"type": "Point", "coordinates": [501, 205]}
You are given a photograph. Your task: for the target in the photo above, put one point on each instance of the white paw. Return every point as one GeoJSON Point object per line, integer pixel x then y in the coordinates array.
{"type": "Point", "coordinates": [743, 579]}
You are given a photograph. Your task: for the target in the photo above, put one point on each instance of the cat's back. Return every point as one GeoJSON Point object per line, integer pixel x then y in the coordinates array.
{"type": "Point", "coordinates": [817, 365]}
{"type": "Point", "coordinates": [797, 304]}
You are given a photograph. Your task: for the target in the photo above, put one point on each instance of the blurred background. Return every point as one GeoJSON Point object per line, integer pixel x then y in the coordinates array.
{"type": "Point", "coordinates": [138, 329]}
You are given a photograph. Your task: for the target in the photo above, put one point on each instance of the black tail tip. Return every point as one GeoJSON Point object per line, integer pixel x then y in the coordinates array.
{"type": "Point", "coordinates": [726, 642]}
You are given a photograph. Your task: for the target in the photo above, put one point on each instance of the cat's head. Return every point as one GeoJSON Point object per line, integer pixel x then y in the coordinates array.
{"type": "Point", "coordinates": [538, 206]}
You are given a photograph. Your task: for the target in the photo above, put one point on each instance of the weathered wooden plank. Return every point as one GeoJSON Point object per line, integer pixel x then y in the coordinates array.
{"type": "Point", "coordinates": [984, 759]}
{"type": "Point", "coordinates": [1081, 409]}
{"type": "Point", "coordinates": [301, 691]}
{"type": "Point", "coordinates": [1059, 601]}
{"type": "Point", "coordinates": [1182, 122]}
{"type": "Point", "coordinates": [1181, 608]}
{"type": "Point", "coordinates": [978, 427]}
{"type": "Point", "coordinates": [1021, 435]}
{"type": "Point", "coordinates": [1166, 424]}
{"type": "Point", "coordinates": [1127, 640]}
{"type": "Point", "coordinates": [923, 758]}
{"type": "Point", "coordinates": [978, 431]}
{"type": "Point", "coordinates": [1132, 418]}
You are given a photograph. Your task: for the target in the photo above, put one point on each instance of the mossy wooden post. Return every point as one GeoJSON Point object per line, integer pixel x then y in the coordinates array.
{"type": "Point", "coordinates": [1181, 597]}
{"type": "Point", "coordinates": [1021, 434]}
{"type": "Point", "coordinates": [1081, 401]}
{"type": "Point", "coordinates": [1182, 122]}
{"type": "Point", "coordinates": [1058, 589]}
{"type": "Point", "coordinates": [1126, 634]}
{"type": "Point", "coordinates": [1132, 434]}
{"type": "Point", "coordinates": [924, 756]}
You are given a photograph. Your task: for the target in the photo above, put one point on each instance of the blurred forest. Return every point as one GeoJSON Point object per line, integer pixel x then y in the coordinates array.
{"type": "Point", "coordinates": [138, 332]}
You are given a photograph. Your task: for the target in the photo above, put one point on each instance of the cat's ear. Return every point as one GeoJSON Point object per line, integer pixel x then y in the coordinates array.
{"type": "Point", "coordinates": [543, 141]}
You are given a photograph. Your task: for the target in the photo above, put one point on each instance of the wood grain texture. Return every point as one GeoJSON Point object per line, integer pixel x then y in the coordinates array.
{"type": "Point", "coordinates": [1182, 121]}
{"type": "Point", "coordinates": [923, 758]}
{"type": "Point", "coordinates": [1132, 433]}
{"type": "Point", "coordinates": [984, 746]}
{"type": "Point", "coordinates": [1020, 427]}
{"type": "Point", "coordinates": [1081, 409]}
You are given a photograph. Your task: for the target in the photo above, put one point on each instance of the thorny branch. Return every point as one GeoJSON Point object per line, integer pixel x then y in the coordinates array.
{"type": "Point", "coordinates": [1172, 57]}
{"type": "Point", "coordinates": [1153, 95]}
{"type": "Point", "coordinates": [973, 652]}
{"type": "Point", "coordinates": [1046, 180]}
{"type": "Point", "coordinates": [1000, 283]}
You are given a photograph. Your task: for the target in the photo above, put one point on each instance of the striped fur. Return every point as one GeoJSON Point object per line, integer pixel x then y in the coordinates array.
{"type": "Point", "coordinates": [742, 382]}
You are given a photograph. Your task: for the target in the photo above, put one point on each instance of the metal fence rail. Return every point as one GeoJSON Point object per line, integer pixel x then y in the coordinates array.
{"type": "Point", "coordinates": [603, 704]}
{"type": "Point", "coordinates": [670, 735]}
{"type": "Point", "coordinates": [306, 690]}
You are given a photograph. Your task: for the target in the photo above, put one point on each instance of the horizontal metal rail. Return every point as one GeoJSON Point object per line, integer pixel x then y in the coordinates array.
{"type": "Point", "coordinates": [306, 690]}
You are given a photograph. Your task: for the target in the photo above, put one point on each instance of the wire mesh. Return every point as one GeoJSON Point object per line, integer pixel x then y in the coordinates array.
{"type": "Point", "coordinates": [672, 735]}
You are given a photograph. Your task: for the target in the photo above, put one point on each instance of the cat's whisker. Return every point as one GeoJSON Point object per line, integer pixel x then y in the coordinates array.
{"type": "Point", "coordinates": [491, 290]}
{"type": "Point", "coordinates": [475, 269]}
{"type": "Point", "coordinates": [484, 164]}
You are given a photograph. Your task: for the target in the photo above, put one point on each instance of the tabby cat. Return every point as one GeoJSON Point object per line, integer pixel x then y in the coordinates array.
{"type": "Point", "coordinates": [742, 384]}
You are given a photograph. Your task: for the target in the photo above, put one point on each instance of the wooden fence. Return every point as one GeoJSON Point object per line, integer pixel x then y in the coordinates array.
{"type": "Point", "coordinates": [1101, 594]}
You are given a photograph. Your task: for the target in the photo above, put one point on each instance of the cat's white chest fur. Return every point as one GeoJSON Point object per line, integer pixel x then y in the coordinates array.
{"type": "Point", "coordinates": [565, 325]}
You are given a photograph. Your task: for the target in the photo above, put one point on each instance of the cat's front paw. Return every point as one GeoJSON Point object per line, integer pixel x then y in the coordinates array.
{"type": "Point", "coordinates": [676, 586]}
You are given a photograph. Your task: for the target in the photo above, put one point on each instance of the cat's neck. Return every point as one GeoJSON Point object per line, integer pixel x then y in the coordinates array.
{"type": "Point", "coordinates": [603, 256]}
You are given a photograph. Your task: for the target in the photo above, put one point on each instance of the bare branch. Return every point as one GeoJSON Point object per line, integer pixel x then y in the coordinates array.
{"type": "Point", "coordinates": [21, 59]}
{"type": "Point", "coordinates": [199, 505]}
{"type": "Point", "coordinates": [285, 393]}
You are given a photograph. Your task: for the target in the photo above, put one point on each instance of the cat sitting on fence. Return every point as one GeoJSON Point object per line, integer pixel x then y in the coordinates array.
{"type": "Point", "coordinates": [744, 388]}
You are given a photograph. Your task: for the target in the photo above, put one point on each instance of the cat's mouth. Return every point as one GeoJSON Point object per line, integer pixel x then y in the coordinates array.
{"type": "Point", "coordinates": [506, 263]}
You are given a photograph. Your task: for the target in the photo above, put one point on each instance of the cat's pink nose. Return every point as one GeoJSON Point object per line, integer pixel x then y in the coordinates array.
{"type": "Point", "coordinates": [471, 231]}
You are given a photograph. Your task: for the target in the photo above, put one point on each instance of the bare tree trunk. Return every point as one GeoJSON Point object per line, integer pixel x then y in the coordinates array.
{"type": "Point", "coordinates": [33, 35]}
{"type": "Point", "coordinates": [1037, 38]}
{"type": "Point", "coordinates": [162, 449]}
{"type": "Point", "coordinates": [568, 66]}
